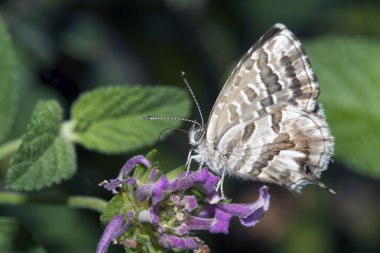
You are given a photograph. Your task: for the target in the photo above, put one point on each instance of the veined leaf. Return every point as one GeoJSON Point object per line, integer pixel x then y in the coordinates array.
{"type": "Point", "coordinates": [43, 157]}
{"type": "Point", "coordinates": [348, 72]}
{"type": "Point", "coordinates": [113, 208]}
{"type": "Point", "coordinates": [111, 119]}
{"type": "Point", "coordinates": [8, 81]}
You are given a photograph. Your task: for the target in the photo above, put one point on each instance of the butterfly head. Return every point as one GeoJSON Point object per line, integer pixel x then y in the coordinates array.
{"type": "Point", "coordinates": [196, 134]}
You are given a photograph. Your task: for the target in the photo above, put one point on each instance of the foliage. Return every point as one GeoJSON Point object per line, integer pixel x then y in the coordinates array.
{"type": "Point", "coordinates": [348, 72]}
{"type": "Point", "coordinates": [8, 81]}
{"type": "Point", "coordinates": [111, 119]}
{"type": "Point", "coordinates": [43, 157]}
{"type": "Point", "coordinates": [107, 120]}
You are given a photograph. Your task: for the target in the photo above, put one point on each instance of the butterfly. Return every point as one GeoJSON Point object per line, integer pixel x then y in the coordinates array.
{"type": "Point", "coordinates": [266, 124]}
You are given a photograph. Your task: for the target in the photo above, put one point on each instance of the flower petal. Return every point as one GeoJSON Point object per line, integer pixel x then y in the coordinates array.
{"type": "Point", "coordinates": [259, 208]}
{"type": "Point", "coordinates": [153, 175]}
{"type": "Point", "coordinates": [222, 221]}
{"type": "Point", "coordinates": [114, 229]}
{"type": "Point", "coordinates": [189, 202]}
{"type": "Point", "coordinates": [159, 190]}
{"type": "Point", "coordinates": [203, 176]}
{"type": "Point", "coordinates": [211, 180]}
{"type": "Point", "coordinates": [207, 211]}
{"type": "Point", "coordinates": [128, 166]}
{"type": "Point", "coordinates": [154, 215]}
{"type": "Point", "coordinates": [174, 242]}
{"type": "Point", "coordinates": [111, 185]}
{"type": "Point", "coordinates": [240, 210]}
{"type": "Point", "coordinates": [131, 163]}
{"type": "Point", "coordinates": [108, 233]}
{"type": "Point", "coordinates": [131, 181]}
{"type": "Point", "coordinates": [198, 223]}
{"type": "Point", "coordinates": [144, 191]}
{"type": "Point", "coordinates": [246, 210]}
{"type": "Point", "coordinates": [156, 191]}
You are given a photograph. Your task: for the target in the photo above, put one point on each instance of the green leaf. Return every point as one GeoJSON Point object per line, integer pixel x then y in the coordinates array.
{"type": "Point", "coordinates": [151, 156]}
{"type": "Point", "coordinates": [348, 72]}
{"type": "Point", "coordinates": [8, 81]}
{"type": "Point", "coordinates": [174, 173]}
{"type": "Point", "coordinates": [43, 158]}
{"type": "Point", "coordinates": [111, 119]}
{"type": "Point", "coordinates": [114, 207]}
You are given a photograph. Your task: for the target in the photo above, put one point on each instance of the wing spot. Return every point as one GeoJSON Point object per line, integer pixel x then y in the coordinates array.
{"type": "Point", "coordinates": [268, 101]}
{"type": "Point", "coordinates": [248, 131]}
{"type": "Point", "coordinates": [307, 169]}
{"type": "Point", "coordinates": [281, 142]}
{"type": "Point", "coordinates": [251, 94]}
{"type": "Point", "coordinates": [237, 80]}
{"type": "Point", "coordinates": [261, 112]}
{"type": "Point", "coordinates": [276, 120]}
{"type": "Point", "coordinates": [267, 75]}
{"type": "Point", "coordinates": [230, 148]}
{"type": "Point", "coordinates": [248, 64]}
{"type": "Point", "coordinates": [233, 115]}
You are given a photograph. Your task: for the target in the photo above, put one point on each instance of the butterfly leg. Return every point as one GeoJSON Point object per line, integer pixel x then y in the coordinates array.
{"type": "Point", "coordinates": [191, 157]}
{"type": "Point", "coordinates": [200, 166]}
{"type": "Point", "coordinates": [220, 184]}
{"type": "Point", "coordinates": [197, 158]}
{"type": "Point", "coordinates": [188, 162]}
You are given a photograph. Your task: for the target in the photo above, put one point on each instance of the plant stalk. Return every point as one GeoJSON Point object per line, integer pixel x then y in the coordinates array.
{"type": "Point", "coordinates": [92, 203]}
{"type": "Point", "coordinates": [9, 148]}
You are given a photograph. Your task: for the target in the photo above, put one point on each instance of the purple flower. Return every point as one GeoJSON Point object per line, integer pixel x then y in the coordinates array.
{"type": "Point", "coordinates": [131, 163]}
{"type": "Point", "coordinates": [113, 230]}
{"type": "Point", "coordinates": [175, 242]}
{"type": "Point", "coordinates": [172, 208]}
{"type": "Point", "coordinates": [125, 170]}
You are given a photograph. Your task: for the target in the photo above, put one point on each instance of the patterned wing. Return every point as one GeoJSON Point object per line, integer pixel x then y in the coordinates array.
{"type": "Point", "coordinates": [274, 71]}
{"type": "Point", "coordinates": [289, 147]}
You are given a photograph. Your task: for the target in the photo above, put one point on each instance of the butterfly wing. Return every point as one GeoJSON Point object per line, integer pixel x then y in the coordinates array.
{"type": "Point", "coordinates": [266, 123]}
{"type": "Point", "coordinates": [275, 70]}
{"type": "Point", "coordinates": [289, 146]}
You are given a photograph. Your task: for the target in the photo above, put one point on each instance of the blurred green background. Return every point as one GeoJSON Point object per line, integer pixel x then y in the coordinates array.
{"type": "Point", "coordinates": [68, 47]}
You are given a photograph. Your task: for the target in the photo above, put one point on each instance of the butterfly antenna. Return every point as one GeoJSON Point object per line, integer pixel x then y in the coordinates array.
{"type": "Point", "coordinates": [171, 128]}
{"type": "Point", "coordinates": [325, 187]}
{"type": "Point", "coordinates": [171, 118]}
{"type": "Point", "coordinates": [183, 74]}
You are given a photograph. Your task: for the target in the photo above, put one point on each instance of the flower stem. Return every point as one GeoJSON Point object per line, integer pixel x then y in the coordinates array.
{"type": "Point", "coordinates": [8, 148]}
{"type": "Point", "coordinates": [92, 203]}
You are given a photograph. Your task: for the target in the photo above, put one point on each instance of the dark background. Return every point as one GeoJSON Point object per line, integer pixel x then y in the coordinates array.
{"type": "Point", "coordinates": [68, 47]}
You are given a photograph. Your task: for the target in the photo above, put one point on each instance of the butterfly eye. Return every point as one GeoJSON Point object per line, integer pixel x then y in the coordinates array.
{"type": "Point", "coordinates": [198, 134]}
{"type": "Point", "coordinates": [307, 168]}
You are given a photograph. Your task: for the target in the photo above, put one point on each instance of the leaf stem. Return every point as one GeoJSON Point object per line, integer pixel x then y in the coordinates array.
{"type": "Point", "coordinates": [8, 148]}
{"type": "Point", "coordinates": [92, 203]}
